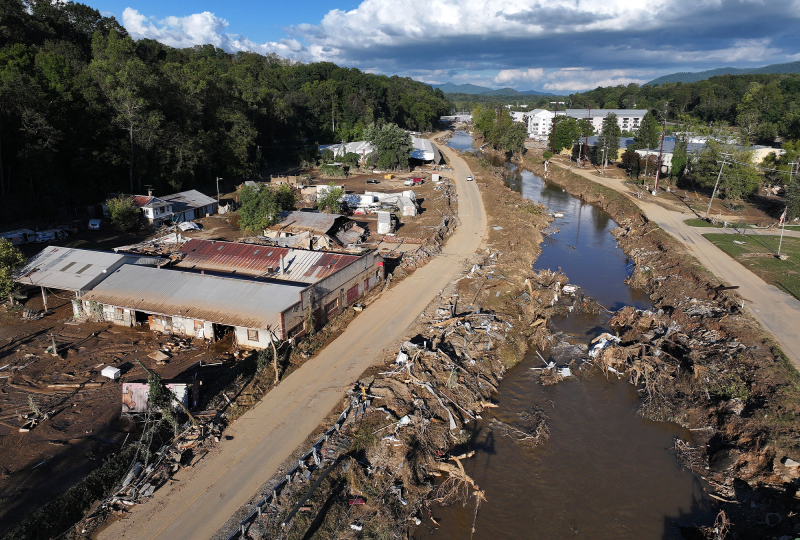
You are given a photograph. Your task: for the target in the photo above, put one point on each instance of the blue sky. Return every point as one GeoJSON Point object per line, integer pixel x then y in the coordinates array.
{"type": "Point", "coordinates": [558, 45]}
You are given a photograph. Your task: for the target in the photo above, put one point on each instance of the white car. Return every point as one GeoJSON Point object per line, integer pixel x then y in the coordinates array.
{"type": "Point", "coordinates": [470, 179]}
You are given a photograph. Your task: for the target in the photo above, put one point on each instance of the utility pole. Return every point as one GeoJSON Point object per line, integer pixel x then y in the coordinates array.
{"type": "Point", "coordinates": [553, 131]}
{"type": "Point", "coordinates": [588, 125]}
{"type": "Point", "coordinates": [661, 150]}
{"type": "Point", "coordinates": [218, 179]}
{"type": "Point", "coordinates": [708, 210]}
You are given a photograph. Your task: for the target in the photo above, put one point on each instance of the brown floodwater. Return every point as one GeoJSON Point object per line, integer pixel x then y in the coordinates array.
{"type": "Point", "coordinates": [605, 472]}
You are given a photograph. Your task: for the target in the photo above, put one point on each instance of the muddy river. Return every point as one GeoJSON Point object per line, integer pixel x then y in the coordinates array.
{"type": "Point", "coordinates": [605, 473]}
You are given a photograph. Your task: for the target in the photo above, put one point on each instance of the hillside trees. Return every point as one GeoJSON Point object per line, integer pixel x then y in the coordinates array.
{"type": "Point", "coordinates": [86, 111]}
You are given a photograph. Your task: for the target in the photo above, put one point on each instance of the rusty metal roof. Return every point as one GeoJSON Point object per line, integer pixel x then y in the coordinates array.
{"type": "Point", "coordinates": [222, 300]}
{"type": "Point", "coordinates": [254, 260]}
{"type": "Point", "coordinates": [318, 222]}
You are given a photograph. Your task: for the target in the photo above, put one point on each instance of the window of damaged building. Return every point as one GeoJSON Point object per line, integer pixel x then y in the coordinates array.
{"type": "Point", "coordinates": [252, 335]}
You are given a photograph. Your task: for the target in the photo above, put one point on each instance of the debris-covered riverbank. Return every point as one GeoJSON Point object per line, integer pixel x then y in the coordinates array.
{"type": "Point", "coordinates": [405, 449]}
{"type": "Point", "coordinates": [700, 361]}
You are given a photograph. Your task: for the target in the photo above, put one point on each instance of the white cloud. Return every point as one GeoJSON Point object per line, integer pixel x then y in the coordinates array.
{"type": "Point", "coordinates": [577, 79]}
{"type": "Point", "coordinates": [508, 77]}
{"type": "Point", "coordinates": [201, 29]}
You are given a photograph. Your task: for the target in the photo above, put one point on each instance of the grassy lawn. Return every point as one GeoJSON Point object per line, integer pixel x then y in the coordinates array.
{"type": "Point", "coordinates": [757, 254]}
{"type": "Point", "coordinates": [696, 222]}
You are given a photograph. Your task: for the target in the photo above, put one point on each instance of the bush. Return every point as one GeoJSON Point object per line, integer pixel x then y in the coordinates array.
{"type": "Point", "coordinates": [547, 155]}
{"type": "Point", "coordinates": [125, 215]}
{"type": "Point", "coordinates": [327, 155]}
{"type": "Point", "coordinates": [332, 171]}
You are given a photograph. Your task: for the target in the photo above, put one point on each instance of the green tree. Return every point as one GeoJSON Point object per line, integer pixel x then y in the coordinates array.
{"type": "Point", "coordinates": [327, 156]}
{"type": "Point", "coordinates": [793, 201]}
{"type": "Point", "coordinates": [392, 146]}
{"type": "Point", "coordinates": [608, 140]}
{"type": "Point", "coordinates": [649, 133]}
{"type": "Point", "coordinates": [514, 138]}
{"type": "Point", "coordinates": [11, 258]}
{"type": "Point", "coordinates": [739, 178]}
{"type": "Point", "coordinates": [680, 158]}
{"type": "Point", "coordinates": [331, 200]}
{"type": "Point", "coordinates": [261, 209]}
{"type": "Point", "coordinates": [125, 216]}
{"type": "Point", "coordinates": [565, 132]}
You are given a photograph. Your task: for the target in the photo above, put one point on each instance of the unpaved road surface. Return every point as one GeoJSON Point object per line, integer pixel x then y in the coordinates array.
{"type": "Point", "coordinates": [203, 498]}
{"type": "Point", "coordinates": [777, 311]}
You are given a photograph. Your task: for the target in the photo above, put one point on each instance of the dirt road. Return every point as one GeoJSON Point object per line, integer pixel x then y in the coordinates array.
{"type": "Point", "coordinates": [205, 497]}
{"type": "Point", "coordinates": [777, 312]}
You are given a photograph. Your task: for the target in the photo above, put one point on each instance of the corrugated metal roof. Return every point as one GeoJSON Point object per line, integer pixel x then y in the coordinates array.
{"type": "Point", "coordinates": [186, 200]}
{"type": "Point", "coordinates": [306, 221]}
{"type": "Point", "coordinates": [230, 301]}
{"type": "Point", "coordinates": [255, 260]}
{"type": "Point", "coordinates": [68, 268]}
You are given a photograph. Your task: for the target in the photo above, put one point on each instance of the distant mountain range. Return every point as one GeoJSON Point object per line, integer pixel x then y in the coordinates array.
{"type": "Point", "coordinates": [450, 88]}
{"type": "Point", "coordinates": [690, 77]}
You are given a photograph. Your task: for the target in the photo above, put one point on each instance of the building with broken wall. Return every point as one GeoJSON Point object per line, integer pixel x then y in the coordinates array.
{"type": "Point", "coordinates": [256, 308]}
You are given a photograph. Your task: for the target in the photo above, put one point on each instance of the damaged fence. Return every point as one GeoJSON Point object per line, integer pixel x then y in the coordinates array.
{"type": "Point", "coordinates": [312, 458]}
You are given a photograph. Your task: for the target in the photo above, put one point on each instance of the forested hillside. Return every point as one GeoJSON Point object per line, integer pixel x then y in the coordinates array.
{"type": "Point", "coordinates": [85, 110]}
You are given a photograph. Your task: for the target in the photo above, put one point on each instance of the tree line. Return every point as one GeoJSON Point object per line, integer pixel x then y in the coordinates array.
{"type": "Point", "coordinates": [85, 110]}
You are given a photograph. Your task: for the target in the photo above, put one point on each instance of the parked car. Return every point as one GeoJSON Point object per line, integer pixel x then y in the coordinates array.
{"type": "Point", "coordinates": [372, 181]}
{"type": "Point", "coordinates": [95, 224]}
{"type": "Point", "coordinates": [469, 179]}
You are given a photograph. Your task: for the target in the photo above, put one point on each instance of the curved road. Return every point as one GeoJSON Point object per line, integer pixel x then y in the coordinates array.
{"type": "Point", "coordinates": [777, 311]}
{"type": "Point", "coordinates": [206, 496]}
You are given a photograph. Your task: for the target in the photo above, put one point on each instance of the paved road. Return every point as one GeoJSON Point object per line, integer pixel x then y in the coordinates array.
{"type": "Point", "coordinates": [206, 496]}
{"type": "Point", "coordinates": [777, 312]}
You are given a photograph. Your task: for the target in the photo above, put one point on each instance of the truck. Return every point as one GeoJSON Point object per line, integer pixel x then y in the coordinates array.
{"type": "Point", "coordinates": [413, 181]}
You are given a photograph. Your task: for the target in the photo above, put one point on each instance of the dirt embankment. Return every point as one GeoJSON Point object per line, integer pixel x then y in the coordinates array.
{"type": "Point", "coordinates": [700, 361]}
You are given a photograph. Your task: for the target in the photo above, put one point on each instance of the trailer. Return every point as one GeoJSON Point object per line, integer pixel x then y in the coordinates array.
{"type": "Point", "coordinates": [19, 236]}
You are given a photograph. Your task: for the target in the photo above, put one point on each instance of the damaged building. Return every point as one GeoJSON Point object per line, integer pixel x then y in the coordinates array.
{"type": "Point", "coordinates": [316, 229]}
{"type": "Point", "coordinates": [257, 293]}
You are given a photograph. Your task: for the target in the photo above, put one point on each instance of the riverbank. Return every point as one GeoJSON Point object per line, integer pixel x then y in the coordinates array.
{"type": "Point", "coordinates": [700, 361]}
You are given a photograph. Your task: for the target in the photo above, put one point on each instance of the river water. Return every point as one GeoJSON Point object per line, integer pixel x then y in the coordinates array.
{"type": "Point", "coordinates": [605, 473]}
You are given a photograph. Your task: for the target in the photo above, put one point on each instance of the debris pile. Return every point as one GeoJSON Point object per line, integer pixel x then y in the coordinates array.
{"type": "Point", "coordinates": [145, 478]}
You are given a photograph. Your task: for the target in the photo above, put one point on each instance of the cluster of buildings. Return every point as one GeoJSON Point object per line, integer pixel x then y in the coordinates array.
{"type": "Point", "coordinates": [694, 146]}
{"type": "Point", "coordinates": [175, 208]}
{"type": "Point", "coordinates": [207, 289]}
{"type": "Point", "coordinates": [423, 149]}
